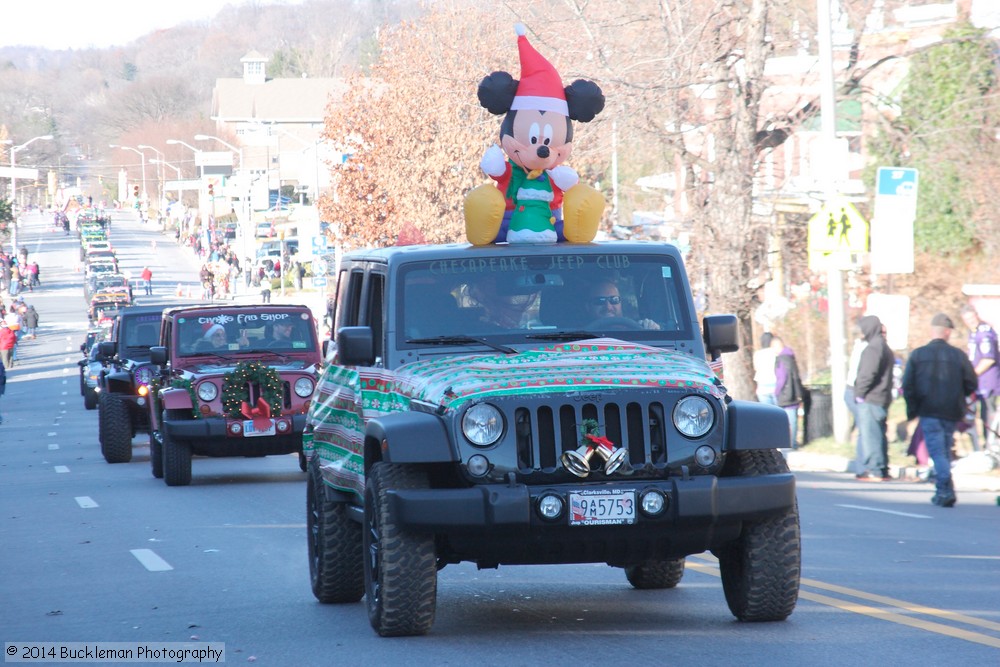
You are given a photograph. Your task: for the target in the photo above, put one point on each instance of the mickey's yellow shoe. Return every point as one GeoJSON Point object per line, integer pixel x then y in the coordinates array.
{"type": "Point", "coordinates": [583, 207]}
{"type": "Point", "coordinates": [484, 208]}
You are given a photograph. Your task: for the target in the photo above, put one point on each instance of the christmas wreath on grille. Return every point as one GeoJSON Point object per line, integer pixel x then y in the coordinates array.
{"type": "Point", "coordinates": [236, 389]}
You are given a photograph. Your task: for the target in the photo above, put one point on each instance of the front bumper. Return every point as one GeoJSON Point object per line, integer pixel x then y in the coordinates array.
{"type": "Point", "coordinates": [211, 437]}
{"type": "Point", "coordinates": [499, 523]}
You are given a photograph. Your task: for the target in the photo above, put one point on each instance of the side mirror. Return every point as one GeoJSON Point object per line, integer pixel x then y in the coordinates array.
{"type": "Point", "coordinates": [721, 334]}
{"type": "Point", "coordinates": [158, 355]}
{"type": "Point", "coordinates": [356, 346]}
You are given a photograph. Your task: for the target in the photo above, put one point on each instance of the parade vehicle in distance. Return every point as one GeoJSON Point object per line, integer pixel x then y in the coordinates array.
{"type": "Point", "coordinates": [123, 383]}
{"type": "Point", "coordinates": [90, 366]}
{"type": "Point", "coordinates": [477, 410]}
{"type": "Point", "coordinates": [233, 380]}
{"type": "Point", "coordinates": [101, 281]}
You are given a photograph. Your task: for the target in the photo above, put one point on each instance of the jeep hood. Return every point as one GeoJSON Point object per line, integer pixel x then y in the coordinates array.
{"type": "Point", "coordinates": [587, 365]}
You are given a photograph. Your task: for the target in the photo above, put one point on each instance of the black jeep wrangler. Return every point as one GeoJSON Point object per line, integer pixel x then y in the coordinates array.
{"type": "Point", "coordinates": [537, 404]}
{"type": "Point", "coordinates": [123, 384]}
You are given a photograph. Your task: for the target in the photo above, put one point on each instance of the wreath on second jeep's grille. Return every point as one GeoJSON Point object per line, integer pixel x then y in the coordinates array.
{"type": "Point", "coordinates": [236, 391]}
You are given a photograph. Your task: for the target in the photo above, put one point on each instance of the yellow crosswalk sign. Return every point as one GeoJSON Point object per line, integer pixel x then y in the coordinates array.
{"type": "Point", "coordinates": [837, 231]}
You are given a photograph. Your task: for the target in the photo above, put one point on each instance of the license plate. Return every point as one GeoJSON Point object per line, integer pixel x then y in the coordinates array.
{"type": "Point", "coordinates": [250, 431]}
{"type": "Point", "coordinates": [602, 508]}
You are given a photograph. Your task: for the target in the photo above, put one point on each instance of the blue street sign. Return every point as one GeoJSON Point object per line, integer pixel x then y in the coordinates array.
{"type": "Point", "coordinates": [897, 181]}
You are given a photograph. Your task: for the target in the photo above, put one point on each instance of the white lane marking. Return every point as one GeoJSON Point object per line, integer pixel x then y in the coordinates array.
{"type": "Point", "coordinates": [86, 502]}
{"type": "Point", "coordinates": [51, 434]}
{"type": "Point", "coordinates": [62, 403]}
{"type": "Point", "coordinates": [65, 393]}
{"type": "Point", "coordinates": [65, 382]}
{"type": "Point", "coordinates": [65, 370]}
{"type": "Point", "coordinates": [61, 469]}
{"type": "Point", "coordinates": [53, 446]}
{"type": "Point", "coordinates": [875, 509]}
{"type": "Point", "coordinates": [150, 560]}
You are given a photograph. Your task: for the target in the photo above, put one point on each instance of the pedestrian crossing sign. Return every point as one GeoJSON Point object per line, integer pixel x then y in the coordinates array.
{"type": "Point", "coordinates": [838, 229]}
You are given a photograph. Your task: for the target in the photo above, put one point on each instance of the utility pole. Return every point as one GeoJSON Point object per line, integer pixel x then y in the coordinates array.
{"type": "Point", "coordinates": [834, 275]}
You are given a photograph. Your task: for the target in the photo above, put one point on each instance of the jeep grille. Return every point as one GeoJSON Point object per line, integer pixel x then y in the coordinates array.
{"type": "Point", "coordinates": [543, 433]}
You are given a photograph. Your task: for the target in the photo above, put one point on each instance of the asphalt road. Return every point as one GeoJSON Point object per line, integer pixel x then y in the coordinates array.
{"type": "Point", "coordinates": [97, 552]}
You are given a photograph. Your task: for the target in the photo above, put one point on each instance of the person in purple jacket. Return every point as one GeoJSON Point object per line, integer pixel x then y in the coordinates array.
{"type": "Point", "coordinates": [788, 385]}
{"type": "Point", "coordinates": [984, 355]}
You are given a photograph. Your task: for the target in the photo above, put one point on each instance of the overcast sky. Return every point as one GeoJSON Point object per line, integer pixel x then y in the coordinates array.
{"type": "Point", "coordinates": [77, 24]}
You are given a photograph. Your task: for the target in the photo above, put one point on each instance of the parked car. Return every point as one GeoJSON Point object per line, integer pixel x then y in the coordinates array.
{"type": "Point", "coordinates": [533, 404]}
{"type": "Point", "coordinates": [232, 380]}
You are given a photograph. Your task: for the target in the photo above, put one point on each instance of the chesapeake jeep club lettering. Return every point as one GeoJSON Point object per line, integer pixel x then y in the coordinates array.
{"type": "Point", "coordinates": [512, 264]}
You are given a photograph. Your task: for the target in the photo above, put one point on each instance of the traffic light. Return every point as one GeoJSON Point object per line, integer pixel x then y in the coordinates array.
{"type": "Point", "coordinates": [211, 189]}
{"type": "Point", "coordinates": [135, 191]}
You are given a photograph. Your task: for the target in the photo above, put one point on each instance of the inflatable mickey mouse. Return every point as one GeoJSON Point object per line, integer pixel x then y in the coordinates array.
{"type": "Point", "coordinates": [535, 197]}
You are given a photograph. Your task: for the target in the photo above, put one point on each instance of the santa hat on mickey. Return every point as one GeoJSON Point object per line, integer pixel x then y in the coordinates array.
{"type": "Point", "coordinates": [210, 329]}
{"type": "Point", "coordinates": [540, 87]}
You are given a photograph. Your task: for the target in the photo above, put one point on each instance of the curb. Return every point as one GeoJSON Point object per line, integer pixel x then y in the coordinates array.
{"type": "Point", "coordinates": [799, 461]}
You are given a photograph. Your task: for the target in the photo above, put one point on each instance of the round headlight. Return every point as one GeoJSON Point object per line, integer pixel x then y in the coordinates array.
{"type": "Point", "coordinates": [693, 416]}
{"type": "Point", "coordinates": [207, 391]}
{"type": "Point", "coordinates": [482, 424]}
{"type": "Point", "coordinates": [143, 375]}
{"type": "Point", "coordinates": [303, 387]}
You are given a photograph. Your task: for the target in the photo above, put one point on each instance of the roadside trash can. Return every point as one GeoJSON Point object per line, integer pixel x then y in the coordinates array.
{"type": "Point", "coordinates": [818, 412]}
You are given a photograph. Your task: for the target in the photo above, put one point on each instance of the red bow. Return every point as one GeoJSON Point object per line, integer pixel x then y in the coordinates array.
{"type": "Point", "coordinates": [259, 413]}
{"type": "Point", "coordinates": [600, 441]}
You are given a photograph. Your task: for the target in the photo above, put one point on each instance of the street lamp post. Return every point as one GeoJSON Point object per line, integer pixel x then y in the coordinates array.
{"type": "Point", "coordinates": [201, 167]}
{"type": "Point", "coordinates": [244, 189]}
{"type": "Point", "coordinates": [159, 173]}
{"type": "Point", "coordinates": [13, 184]}
{"type": "Point", "coordinates": [177, 171]}
{"type": "Point", "coordinates": [141, 155]}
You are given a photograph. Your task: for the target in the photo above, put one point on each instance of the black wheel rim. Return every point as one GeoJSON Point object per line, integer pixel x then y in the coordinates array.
{"type": "Point", "coordinates": [313, 530]}
{"type": "Point", "coordinates": [374, 583]}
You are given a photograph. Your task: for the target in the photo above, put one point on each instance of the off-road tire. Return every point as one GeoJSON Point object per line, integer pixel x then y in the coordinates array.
{"type": "Point", "coordinates": [176, 460]}
{"type": "Point", "coordinates": [655, 574]}
{"type": "Point", "coordinates": [336, 567]}
{"type": "Point", "coordinates": [761, 569]}
{"type": "Point", "coordinates": [90, 398]}
{"type": "Point", "coordinates": [155, 454]}
{"type": "Point", "coordinates": [400, 566]}
{"type": "Point", "coordinates": [115, 427]}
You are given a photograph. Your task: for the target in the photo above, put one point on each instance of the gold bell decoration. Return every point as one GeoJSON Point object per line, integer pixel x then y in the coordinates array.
{"type": "Point", "coordinates": [578, 461]}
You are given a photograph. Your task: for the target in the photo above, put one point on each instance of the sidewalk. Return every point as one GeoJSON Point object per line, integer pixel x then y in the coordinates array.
{"type": "Point", "coordinates": [800, 461]}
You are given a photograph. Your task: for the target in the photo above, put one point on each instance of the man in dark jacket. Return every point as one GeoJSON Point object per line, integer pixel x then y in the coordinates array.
{"type": "Point", "coordinates": [873, 394]}
{"type": "Point", "coordinates": [936, 382]}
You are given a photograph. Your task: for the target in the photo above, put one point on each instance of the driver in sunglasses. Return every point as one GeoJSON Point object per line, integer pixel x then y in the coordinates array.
{"type": "Point", "coordinates": [604, 301]}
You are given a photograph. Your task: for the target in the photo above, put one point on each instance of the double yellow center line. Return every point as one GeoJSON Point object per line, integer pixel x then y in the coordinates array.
{"type": "Point", "coordinates": [892, 610]}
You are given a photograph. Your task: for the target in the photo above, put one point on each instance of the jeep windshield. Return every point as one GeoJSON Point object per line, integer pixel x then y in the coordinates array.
{"type": "Point", "coordinates": [268, 332]}
{"type": "Point", "coordinates": [511, 298]}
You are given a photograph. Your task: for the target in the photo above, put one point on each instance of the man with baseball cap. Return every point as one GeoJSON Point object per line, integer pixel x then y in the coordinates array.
{"type": "Point", "coordinates": [936, 382]}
